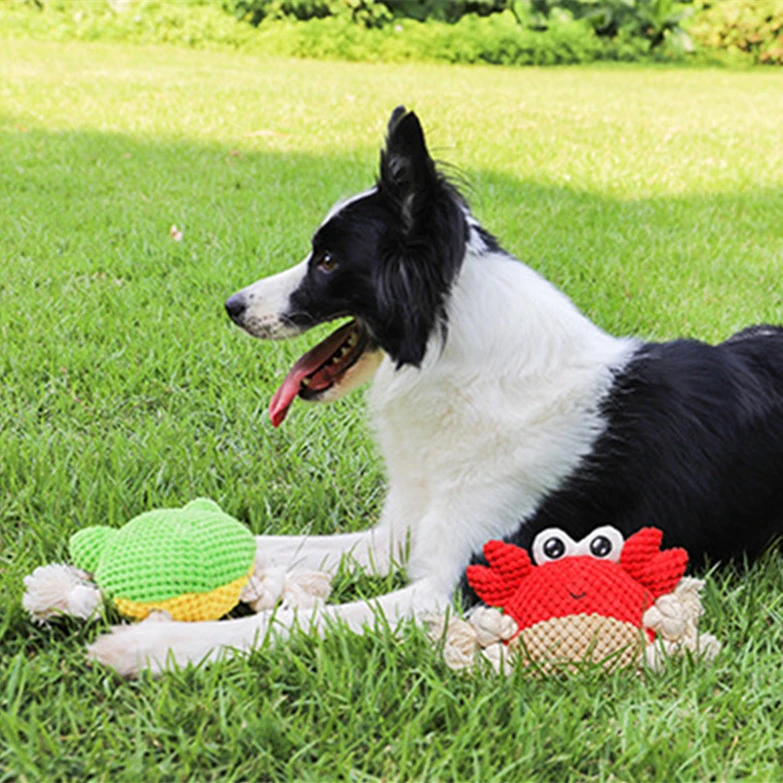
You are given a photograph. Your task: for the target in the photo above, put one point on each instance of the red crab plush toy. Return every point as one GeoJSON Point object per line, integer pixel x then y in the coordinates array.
{"type": "Point", "coordinates": [582, 600]}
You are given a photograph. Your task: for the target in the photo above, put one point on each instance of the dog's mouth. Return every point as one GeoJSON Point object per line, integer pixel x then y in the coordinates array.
{"type": "Point", "coordinates": [322, 368]}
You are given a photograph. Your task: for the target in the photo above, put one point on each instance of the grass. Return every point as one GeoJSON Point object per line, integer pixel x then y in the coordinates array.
{"type": "Point", "coordinates": [652, 196]}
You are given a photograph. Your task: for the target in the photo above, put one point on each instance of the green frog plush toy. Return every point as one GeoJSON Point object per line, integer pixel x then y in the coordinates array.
{"type": "Point", "coordinates": [191, 562]}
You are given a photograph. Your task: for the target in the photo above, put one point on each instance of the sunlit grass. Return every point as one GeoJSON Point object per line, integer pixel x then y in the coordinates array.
{"type": "Point", "coordinates": [652, 196]}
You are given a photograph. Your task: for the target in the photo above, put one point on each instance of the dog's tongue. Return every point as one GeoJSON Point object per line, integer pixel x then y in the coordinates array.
{"type": "Point", "coordinates": [308, 364]}
{"type": "Point", "coordinates": [284, 396]}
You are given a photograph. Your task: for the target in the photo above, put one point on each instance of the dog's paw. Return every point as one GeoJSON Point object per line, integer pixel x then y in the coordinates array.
{"type": "Point", "coordinates": [152, 645]}
{"type": "Point", "coordinates": [118, 650]}
{"type": "Point", "coordinates": [155, 646]}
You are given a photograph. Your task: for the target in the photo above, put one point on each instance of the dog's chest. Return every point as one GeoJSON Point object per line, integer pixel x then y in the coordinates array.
{"type": "Point", "coordinates": [458, 428]}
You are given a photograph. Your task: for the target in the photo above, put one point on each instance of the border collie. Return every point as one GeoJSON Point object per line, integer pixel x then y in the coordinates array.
{"type": "Point", "coordinates": [501, 410]}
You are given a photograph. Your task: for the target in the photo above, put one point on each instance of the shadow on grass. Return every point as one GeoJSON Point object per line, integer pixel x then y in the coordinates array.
{"type": "Point", "coordinates": [86, 202]}
{"type": "Point", "coordinates": [125, 387]}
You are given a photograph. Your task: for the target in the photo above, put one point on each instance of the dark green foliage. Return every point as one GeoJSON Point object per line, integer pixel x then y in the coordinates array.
{"type": "Point", "coordinates": [750, 27]}
{"type": "Point", "coordinates": [444, 10]}
{"type": "Point", "coordinates": [365, 12]}
{"type": "Point", "coordinates": [650, 20]}
{"type": "Point", "coordinates": [520, 32]}
{"type": "Point", "coordinates": [371, 13]}
{"type": "Point", "coordinates": [255, 11]}
{"type": "Point", "coordinates": [498, 40]}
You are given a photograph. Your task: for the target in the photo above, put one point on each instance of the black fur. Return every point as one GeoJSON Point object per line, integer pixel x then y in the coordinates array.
{"type": "Point", "coordinates": [693, 445]}
{"type": "Point", "coordinates": [398, 251]}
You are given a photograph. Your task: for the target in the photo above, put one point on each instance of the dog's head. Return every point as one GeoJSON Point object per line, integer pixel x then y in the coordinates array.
{"type": "Point", "coordinates": [386, 259]}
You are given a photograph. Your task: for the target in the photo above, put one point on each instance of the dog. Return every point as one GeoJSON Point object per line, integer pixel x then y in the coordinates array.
{"type": "Point", "coordinates": [501, 410]}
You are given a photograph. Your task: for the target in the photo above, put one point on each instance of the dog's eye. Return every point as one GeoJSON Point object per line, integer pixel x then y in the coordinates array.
{"type": "Point", "coordinates": [326, 263]}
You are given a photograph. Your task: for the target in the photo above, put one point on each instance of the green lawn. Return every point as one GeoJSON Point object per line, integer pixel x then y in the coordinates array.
{"type": "Point", "coordinates": [653, 196]}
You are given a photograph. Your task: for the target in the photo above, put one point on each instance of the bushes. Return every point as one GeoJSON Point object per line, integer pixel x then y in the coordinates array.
{"type": "Point", "coordinates": [511, 32]}
{"type": "Point", "coordinates": [635, 26]}
{"type": "Point", "coordinates": [192, 23]}
{"type": "Point", "coordinates": [650, 20]}
{"type": "Point", "coordinates": [498, 39]}
{"type": "Point", "coordinates": [364, 12]}
{"type": "Point", "coordinates": [742, 27]}
{"type": "Point", "coordinates": [371, 13]}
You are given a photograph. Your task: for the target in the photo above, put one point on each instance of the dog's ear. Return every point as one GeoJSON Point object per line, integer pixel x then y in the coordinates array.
{"type": "Point", "coordinates": [408, 173]}
{"type": "Point", "coordinates": [422, 254]}
{"type": "Point", "coordinates": [410, 292]}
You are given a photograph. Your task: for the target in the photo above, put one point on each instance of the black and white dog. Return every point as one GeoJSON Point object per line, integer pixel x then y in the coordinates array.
{"type": "Point", "coordinates": [501, 410]}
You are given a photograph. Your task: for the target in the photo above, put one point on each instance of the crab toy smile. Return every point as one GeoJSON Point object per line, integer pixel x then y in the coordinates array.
{"type": "Point", "coordinates": [582, 600]}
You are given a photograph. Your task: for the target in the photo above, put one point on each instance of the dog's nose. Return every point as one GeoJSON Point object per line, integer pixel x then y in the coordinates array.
{"type": "Point", "coordinates": [235, 307]}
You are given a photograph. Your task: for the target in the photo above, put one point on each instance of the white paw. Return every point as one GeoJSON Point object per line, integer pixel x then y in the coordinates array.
{"type": "Point", "coordinates": [152, 645]}
{"type": "Point", "coordinates": [156, 646]}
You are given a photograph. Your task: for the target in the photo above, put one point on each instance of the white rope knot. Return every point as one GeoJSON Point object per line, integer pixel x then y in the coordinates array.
{"type": "Point", "coordinates": [483, 635]}
{"type": "Point", "coordinates": [58, 589]}
{"type": "Point", "coordinates": [295, 589]}
{"type": "Point", "coordinates": [675, 619]}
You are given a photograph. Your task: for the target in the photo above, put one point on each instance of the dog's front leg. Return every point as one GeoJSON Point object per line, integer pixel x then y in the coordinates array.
{"type": "Point", "coordinates": [370, 550]}
{"type": "Point", "coordinates": [419, 598]}
{"type": "Point", "coordinates": [376, 551]}
{"type": "Point", "coordinates": [157, 645]}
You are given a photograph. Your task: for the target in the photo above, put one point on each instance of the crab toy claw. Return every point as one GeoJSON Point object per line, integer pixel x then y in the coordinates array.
{"type": "Point", "coordinates": [508, 567]}
{"type": "Point", "coordinates": [659, 571]}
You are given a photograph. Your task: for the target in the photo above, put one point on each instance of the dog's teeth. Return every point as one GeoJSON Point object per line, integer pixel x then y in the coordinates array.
{"type": "Point", "coordinates": [305, 382]}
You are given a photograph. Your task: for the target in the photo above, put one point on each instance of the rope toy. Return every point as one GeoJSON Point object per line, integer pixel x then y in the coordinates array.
{"type": "Point", "coordinates": [601, 600]}
{"type": "Point", "coordinates": [189, 564]}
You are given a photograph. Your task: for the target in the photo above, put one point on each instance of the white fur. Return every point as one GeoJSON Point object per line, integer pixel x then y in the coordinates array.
{"type": "Point", "coordinates": [495, 418]}
{"type": "Point", "coordinates": [266, 299]}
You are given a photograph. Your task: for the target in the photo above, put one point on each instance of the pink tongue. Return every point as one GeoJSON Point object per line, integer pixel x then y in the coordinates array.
{"type": "Point", "coordinates": [306, 365]}
{"type": "Point", "coordinates": [284, 396]}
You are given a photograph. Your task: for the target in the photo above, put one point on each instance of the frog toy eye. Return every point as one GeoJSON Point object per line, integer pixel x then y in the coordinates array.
{"type": "Point", "coordinates": [604, 543]}
{"type": "Point", "coordinates": [552, 544]}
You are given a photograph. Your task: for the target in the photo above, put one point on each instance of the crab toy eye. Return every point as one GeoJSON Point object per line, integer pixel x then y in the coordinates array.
{"type": "Point", "coordinates": [552, 544]}
{"type": "Point", "coordinates": [554, 548]}
{"type": "Point", "coordinates": [605, 543]}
